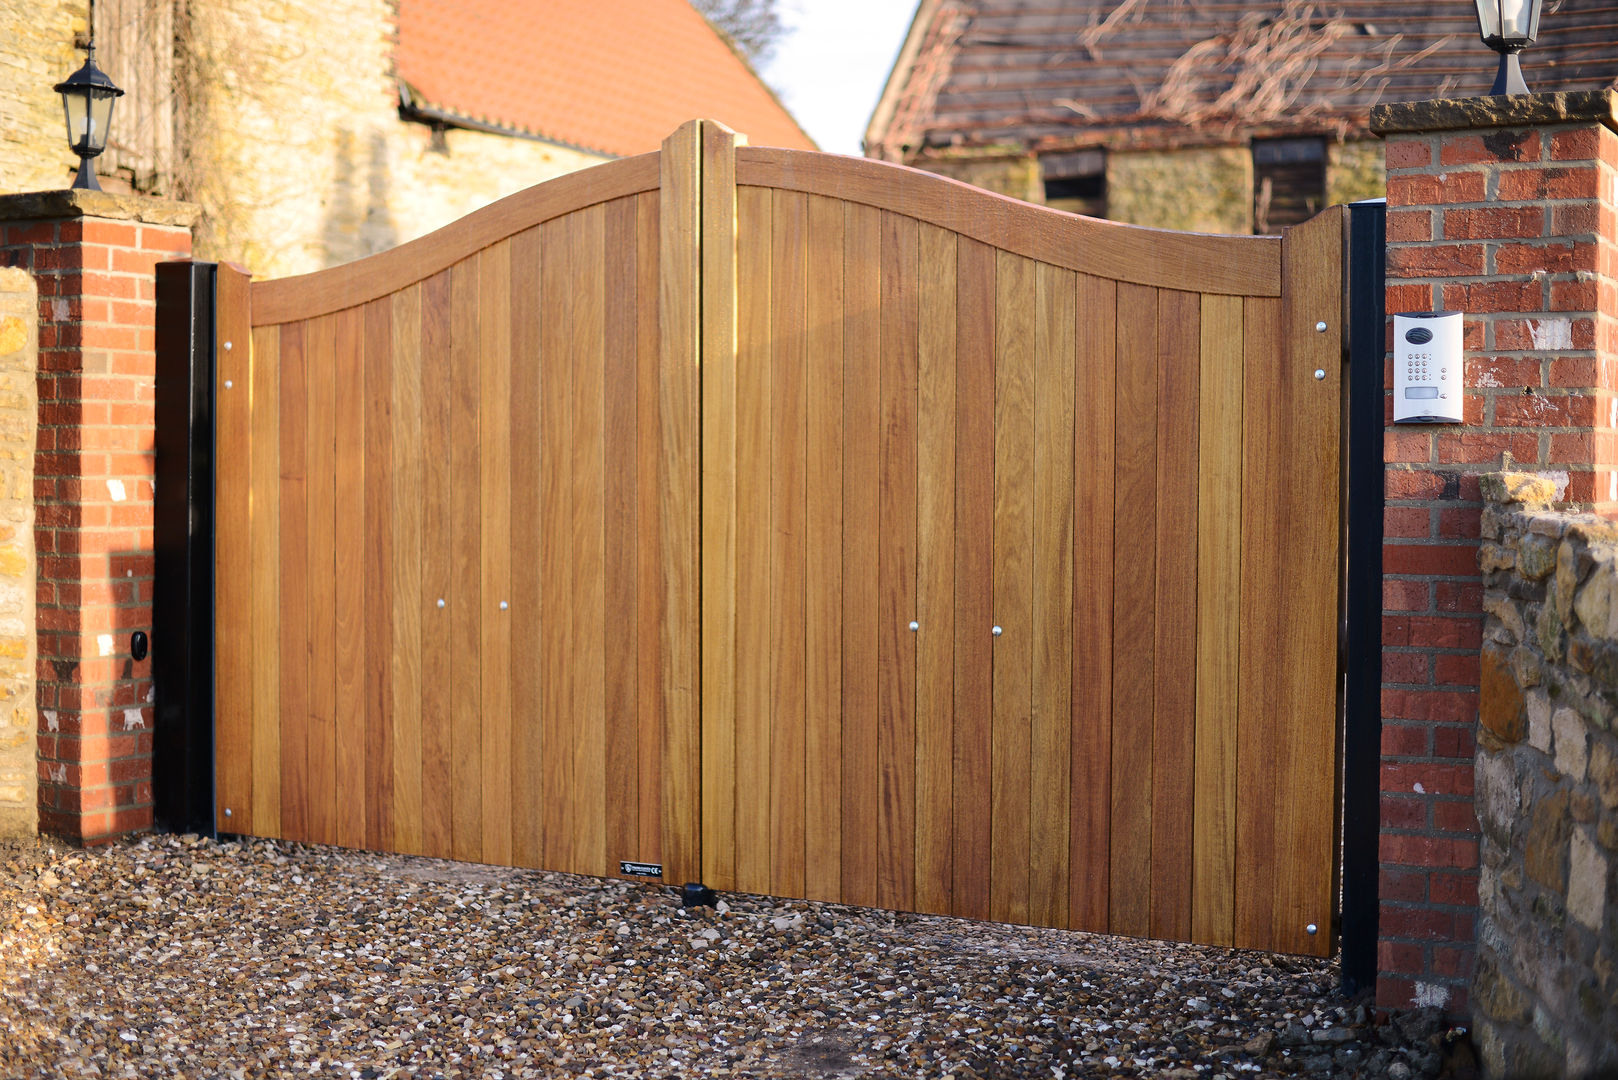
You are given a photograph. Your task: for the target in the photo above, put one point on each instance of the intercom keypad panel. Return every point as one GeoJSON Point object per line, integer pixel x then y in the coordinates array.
{"type": "Point", "coordinates": [1428, 371]}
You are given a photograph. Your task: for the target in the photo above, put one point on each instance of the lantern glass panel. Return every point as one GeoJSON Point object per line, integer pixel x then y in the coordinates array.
{"type": "Point", "coordinates": [76, 105]}
{"type": "Point", "coordinates": [1513, 23]}
{"type": "Point", "coordinates": [101, 104]}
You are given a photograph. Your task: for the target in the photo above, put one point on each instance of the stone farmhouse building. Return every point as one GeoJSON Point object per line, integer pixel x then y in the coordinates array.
{"type": "Point", "coordinates": [312, 132]}
{"type": "Point", "coordinates": [1195, 114]}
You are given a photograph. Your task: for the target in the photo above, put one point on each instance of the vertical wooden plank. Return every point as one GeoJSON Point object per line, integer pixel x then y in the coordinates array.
{"type": "Point", "coordinates": [1134, 610]}
{"type": "Point", "coordinates": [265, 549]}
{"type": "Point", "coordinates": [293, 386]}
{"type": "Point", "coordinates": [586, 235]}
{"type": "Point", "coordinates": [349, 569]}
{"type": "Point", "coordinates": [555, 527]}
{"type": "Point", "coordinates": [788, 466]}
{"type": "Point", "coordinates": [1094, 399]}
{"type": "Point", "coordinates": [823, 638]}
{"type": "Point", "coordinates": [935, 571]}
{"type": "Point", "coordinates": [234, 658]}
{"type": "Point", "coordinates": [526, 777]}
{"type": "Point", "coordinates": [622, 752]}
{"type": "Point", "coordinates": [407, 597]}
{"type": "Point", "coordinates": [679, 308]}
{"type": "Point", "coordinates": [1219, 565]}
{"type": "Point", "coordinates": [1050, 763]}
{"type": "Point", "coordinates": [432, 600]}
{"type": "Point", "coordinates": [465, 597]}
{"type": "Point", "coordinates": [1174, 694]}
{"type": "Point", "coordinates": [1011, 743]}
{"type": "Point", "coordinates": [976, 330]}
{"type": "Point", "coordinates": [1260, 717]}
{"type": "Point", "coordinates": [862, 422]}
{"type": "Point", "coordinates": [494, 433]}
{"type": "Point", "coordinates": [754, 450]}
{"type": "Point", "coordinates": [649, 533]}
{"type": "Point", "coordinates": [378, 574]}
{"type": "Point", "coordinates": [719, 505]}
{"type": "Point", "coordinates": [321, 371]}
{"type": "Point", "coordinates": [896, 565]}
{"type": "Point", "coordinates": [1311, 270]}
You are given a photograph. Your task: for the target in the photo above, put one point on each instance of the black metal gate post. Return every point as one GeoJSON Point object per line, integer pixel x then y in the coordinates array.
{"type": "Point", "coordinates": [1362, 611]}
{"type": "Point", "coordinates": [182, 600]}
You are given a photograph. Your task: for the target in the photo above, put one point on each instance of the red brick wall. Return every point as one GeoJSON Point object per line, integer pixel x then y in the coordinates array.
{"type": "Point", "coordinates": [93, 500]}
{"type": "Point", "coordinates": [1515, 227]}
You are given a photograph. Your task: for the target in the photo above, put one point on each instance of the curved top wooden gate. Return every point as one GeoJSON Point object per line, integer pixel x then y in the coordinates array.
{"type": "Point", "coordinates": [809, 525]}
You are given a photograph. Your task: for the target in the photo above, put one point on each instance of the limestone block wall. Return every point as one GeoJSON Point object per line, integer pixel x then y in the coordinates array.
{"type": "Point", "coordinates": [1014, 172]}
{"type": "Point", "coordinates": [1545, 994]}
{"type": "Point", "coordinates": [36, 53]}
{"type": "Point", "coordinates": [1203, 190]}
{"type": "Point", "coordinates": [1355, 171]}
{"type": "Point", "coordinates": [19, 358]}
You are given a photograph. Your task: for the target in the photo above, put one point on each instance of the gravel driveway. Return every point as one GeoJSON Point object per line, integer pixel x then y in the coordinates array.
{"type": "Point", "coordinates": [170, 956]}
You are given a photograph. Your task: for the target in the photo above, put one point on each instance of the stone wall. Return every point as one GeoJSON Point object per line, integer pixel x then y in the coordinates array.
{"type": "Point", "coordinates": [1354, 171]}
{"type": "Point", "coordinates": [1545, 998]}
{"type": "Point", "coordinates": [19, 338]}
{"type": "Point", "coordinates": [1015, 173]}
{"type": "Point", "coordinates": [36, 53]}
{"type": "Point", "coordinates": [1201, 189]}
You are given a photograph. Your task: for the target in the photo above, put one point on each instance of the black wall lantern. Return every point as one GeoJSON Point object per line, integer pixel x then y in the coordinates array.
{"type": "Point", "coordinates": [87, 97]}
{"type": "Point", "coordinates": [1508, 27]}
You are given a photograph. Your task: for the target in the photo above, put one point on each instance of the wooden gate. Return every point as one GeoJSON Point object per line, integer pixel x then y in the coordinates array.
{"type": "Point", "coordinates": [807, 525]}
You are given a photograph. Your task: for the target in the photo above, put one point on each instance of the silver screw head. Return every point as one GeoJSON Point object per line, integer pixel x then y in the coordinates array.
{"type": "Point", "coordinates": [1320, 373]}
{"type": "Point", "coordinates": [995, 631]}
{"type": "Point", "coordinates": [227, 811]}
{"type": "Point", "coordinates": [504, 605]}
{"type": "Point", "coordinates": [914, 626]}
{"type": "Point", "coordinates": [1311, 929]}
{"type": "Point", "coordinates": [228, 384]}
{"type": "Point", "coordinates": [440, 601]}
{"type": "Point", "coordinates": [227, 346]}
{"type": "Point", "coordinates": [1320, 328]}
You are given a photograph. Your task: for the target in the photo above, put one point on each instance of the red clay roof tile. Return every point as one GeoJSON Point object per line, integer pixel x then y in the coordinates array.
{"type": "Point", "coordinates": [613, 76]}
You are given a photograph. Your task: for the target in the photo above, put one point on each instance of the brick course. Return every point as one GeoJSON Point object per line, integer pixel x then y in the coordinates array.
{"type": "Point", "coordinates": [92, 258]}
{"type": "Point", "coordinates": [1514, 225]}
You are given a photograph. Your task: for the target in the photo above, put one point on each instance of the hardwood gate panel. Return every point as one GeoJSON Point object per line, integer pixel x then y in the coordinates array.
{"type": "Point", "coordinates": [935, 568]}
{"type": "Point", "coordinates": [1064, 455]}
{"type": "Point", "coordinates": [1134, 587]}
{"type": "Point", "coordinates": [1050, 762]}
{"type": "Point", "coordinates": [1096, 382]}
{"type": "Point", "coordinates": [1175, 625]}
{"type": "Point", "coordinates": [464, 477]}
{"type": "Point", "coordinates": [468, 538]}
{"type": "Point", "coordinates": [1219, 643]}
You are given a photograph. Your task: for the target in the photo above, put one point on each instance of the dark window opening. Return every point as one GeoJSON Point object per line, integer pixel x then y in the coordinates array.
{"type": "Point", "coordinates": [1076, 182]}
{"type": "Point", "coordinates": [1078, 195]}
{"type": "Point", "coordinates": [1289, 182]}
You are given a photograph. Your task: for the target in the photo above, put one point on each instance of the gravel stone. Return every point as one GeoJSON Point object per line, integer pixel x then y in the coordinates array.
{"type": "Point", "coordinates": [170, 956]}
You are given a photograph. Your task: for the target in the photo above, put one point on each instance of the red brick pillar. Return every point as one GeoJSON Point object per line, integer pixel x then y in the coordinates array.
{"type": "Point", "coordinates": [92, 256]}
{"type": "Point", "coordinates": [1501, 208]}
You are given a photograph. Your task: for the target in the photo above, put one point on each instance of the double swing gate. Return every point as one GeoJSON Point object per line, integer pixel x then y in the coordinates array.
{"type": "Point", "coordinates": [802, 525]}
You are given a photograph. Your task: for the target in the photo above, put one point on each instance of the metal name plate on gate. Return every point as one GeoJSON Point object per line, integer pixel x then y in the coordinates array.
{"type": "Point", "coordinates": [641, 869]}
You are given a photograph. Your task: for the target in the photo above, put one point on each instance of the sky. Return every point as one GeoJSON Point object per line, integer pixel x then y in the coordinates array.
{"type": "Point", "coordinates": [830, 69]}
